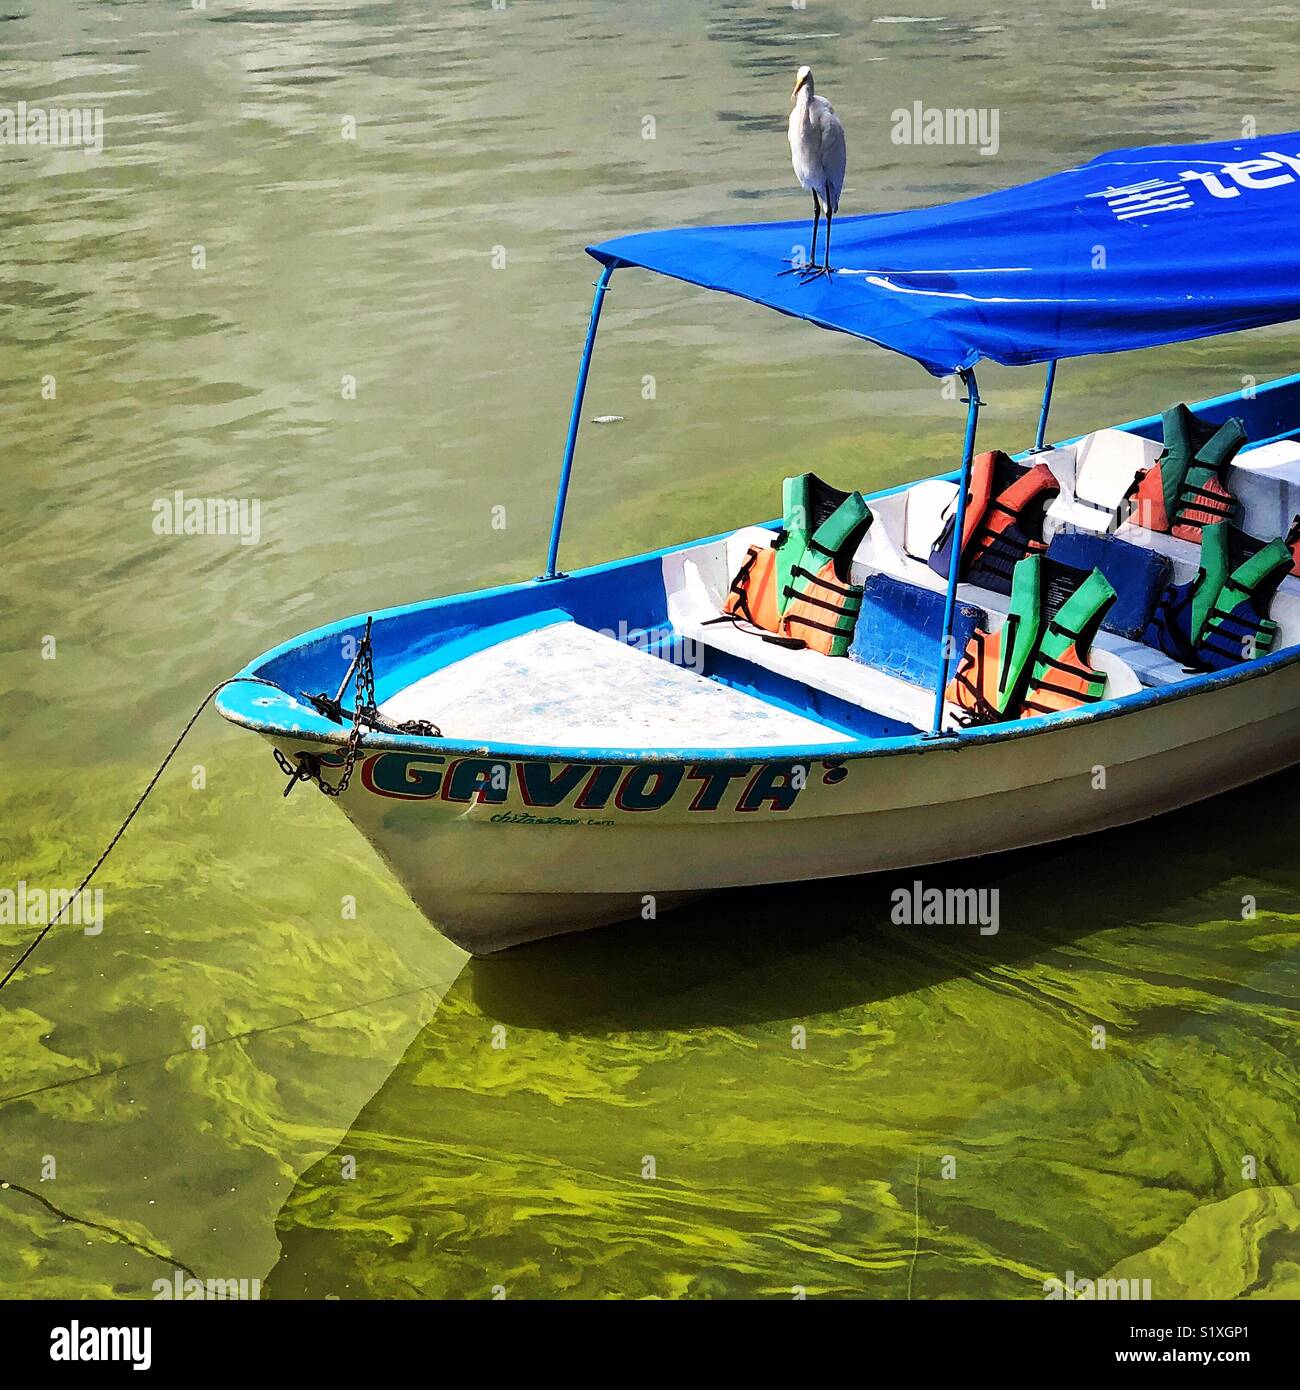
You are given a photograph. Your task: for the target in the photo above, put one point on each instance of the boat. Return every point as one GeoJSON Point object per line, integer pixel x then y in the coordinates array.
{"type": "Point", "coordinates": [580, 748]}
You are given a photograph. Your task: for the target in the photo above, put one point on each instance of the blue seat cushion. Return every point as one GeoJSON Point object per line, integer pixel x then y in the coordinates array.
{"type": "Point", "coordinates": [1138, 576]}
{"type": "Point", "coordinates": [900, 628]}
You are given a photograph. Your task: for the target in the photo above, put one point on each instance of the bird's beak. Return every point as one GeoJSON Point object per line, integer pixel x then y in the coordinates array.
{"type": "Point", "coordinates": [797, 86]}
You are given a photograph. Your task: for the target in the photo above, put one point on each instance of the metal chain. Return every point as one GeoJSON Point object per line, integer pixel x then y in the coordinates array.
{"type": "Point", "coordinates": [365, 713]}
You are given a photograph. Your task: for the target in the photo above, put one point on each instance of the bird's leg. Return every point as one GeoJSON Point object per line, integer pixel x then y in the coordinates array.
{"type": "Point", "coordinates": [812, 259]}
{"type": "Point", "coordinates": [815, 271]}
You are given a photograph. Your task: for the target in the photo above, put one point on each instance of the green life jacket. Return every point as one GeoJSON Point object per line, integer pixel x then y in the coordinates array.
{"type": "Point", "coordinates": [1190, 475]}
{"type": "Point", "coordinates": [1188, 440]}
{"type": "Point", "coordinates": [1211, 579]}
{"type": "Point", "coordinates": [818, 521]}
{"type": "Point", "coordinates": [1034, 664]}
{"type": "Point", "coordinates": [798, 591]}
{"type": "Point", "coordinates": [819, 603]}
{"type": "Point", "coordinates": [1237, 627]}
{"type": "Point", "coordinates": [1061, 677]}
{"type": "Point", "coordinates": [1020, 634]}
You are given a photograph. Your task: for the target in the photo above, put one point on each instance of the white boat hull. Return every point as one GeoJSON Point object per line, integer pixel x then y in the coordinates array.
{"type": "Point", "coordinates": [501, 870]}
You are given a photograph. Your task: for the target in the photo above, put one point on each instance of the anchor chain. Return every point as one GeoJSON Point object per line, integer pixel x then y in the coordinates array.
{"type": "Point", "coordinates": [365, 716]}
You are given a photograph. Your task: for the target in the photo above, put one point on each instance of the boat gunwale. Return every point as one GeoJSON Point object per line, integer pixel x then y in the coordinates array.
{"type": "Point", "coordinates": [843, 750]}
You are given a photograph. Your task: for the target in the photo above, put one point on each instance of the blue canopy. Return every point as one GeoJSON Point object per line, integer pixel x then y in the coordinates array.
{"type": "Point", "coordinates": [1139, 247]}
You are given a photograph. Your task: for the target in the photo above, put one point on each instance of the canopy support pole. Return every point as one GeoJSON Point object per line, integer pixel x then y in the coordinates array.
{"type": "Point", "coordinates": [575, 419]}
{"type": "Point", "coordinates": [1047, 405]}
{"type": "Point", "coordinates": [973, 403]}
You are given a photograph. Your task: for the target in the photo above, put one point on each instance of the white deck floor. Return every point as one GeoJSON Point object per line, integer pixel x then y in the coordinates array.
{"type": "Point", "coordinates": [564, 685]}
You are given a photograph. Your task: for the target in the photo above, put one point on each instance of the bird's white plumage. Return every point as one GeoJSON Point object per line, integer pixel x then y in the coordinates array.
{"type": "Point", "coordinates": [817, 149]}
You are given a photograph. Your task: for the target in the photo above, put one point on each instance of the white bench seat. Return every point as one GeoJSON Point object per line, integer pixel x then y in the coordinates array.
{"type": "Point", "coordinates": [898, 543]}
{"type": "Point", "coordinates": [1266, 481]}
{"type": "Point", "coordinates": [696, 580]}
{"type": "Point", "coordinates": [1095, 475]}
{"type": "Point", "coordinates": [1186, 556]}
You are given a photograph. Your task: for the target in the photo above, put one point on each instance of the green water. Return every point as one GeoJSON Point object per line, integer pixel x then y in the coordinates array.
{"type": "Point", "coordinates": [634, 1111]}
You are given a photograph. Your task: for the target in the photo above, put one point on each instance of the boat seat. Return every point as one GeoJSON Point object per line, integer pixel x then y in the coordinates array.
{"type": "Point", "coordinates": [1150, 666]}
{"type": "Point", "coordinates": [900, 634]}
{"type": "Point", "coordinates": [1138, 576]}
{"type": "Point", "coordinates": [1129, 666]}
{"type": "Point", "coordinates": [1186, 559]}
{"type": "Point", "coordinates": [925, 511]}
{"type": "Point", "coordinates": [1266, 481]}
{"type": "Point", "coordinates": [1095, 480]}
{"type": "Point", "coordinates": [882, 545]}
{"type": "Point", "coordinates": [904, 671]}
{"type": "Point", "coordinates": [695, 581]}
{"type": "Point", "coordinates": [893, 672]}
{"type": "Point", "coordinates": [900, 629]}
{"type": "Point", "coordinates": [1094, 476]}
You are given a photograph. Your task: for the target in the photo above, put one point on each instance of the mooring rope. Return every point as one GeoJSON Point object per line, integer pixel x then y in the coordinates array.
{"type": "Point", "coordinates": [121, 830]}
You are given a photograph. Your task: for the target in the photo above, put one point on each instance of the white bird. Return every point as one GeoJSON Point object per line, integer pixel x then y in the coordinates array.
{"type": "Point", "coordinates": [818, 155]}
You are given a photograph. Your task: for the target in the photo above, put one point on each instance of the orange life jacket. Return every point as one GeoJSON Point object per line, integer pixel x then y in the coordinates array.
{"type": "Point", "coordinates": [1003, 523]}
{"type": "Point", "coordinates": [982, 470]}
{"type": "Point", "coordinates": [753, 593]}
{"type": "Point", "coordinates": [822, 611]}
{"type": "Point", "coordinates": [1203, 501]}
{"type": "Point", "coordinates": [976, 687]}
{"type": "Point", "coordinates": [798, 589]}
{"type": "Point", "coordinates": [991, 674]}
{"type": "Point", "coordinates": [1184, 490]}
{"type": "Point", "coordinates": [1030, 666]}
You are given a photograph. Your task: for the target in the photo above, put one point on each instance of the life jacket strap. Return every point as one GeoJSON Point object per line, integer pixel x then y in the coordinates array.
{"type": "Point", "coordinates": [1215, 497]}
{"type": "Point", "coordinates": [1084, 673]}
{"type": "Point", "coordinates": [833, 630]}
{"type": "Point", "coordinates": [1076, 697]}
{"type": "Point", "coordinates": [792, 591]}
{"type": "Point", "coordinates": [964, 693]}
{"type": "Point", "coordinates": [740, 587]}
